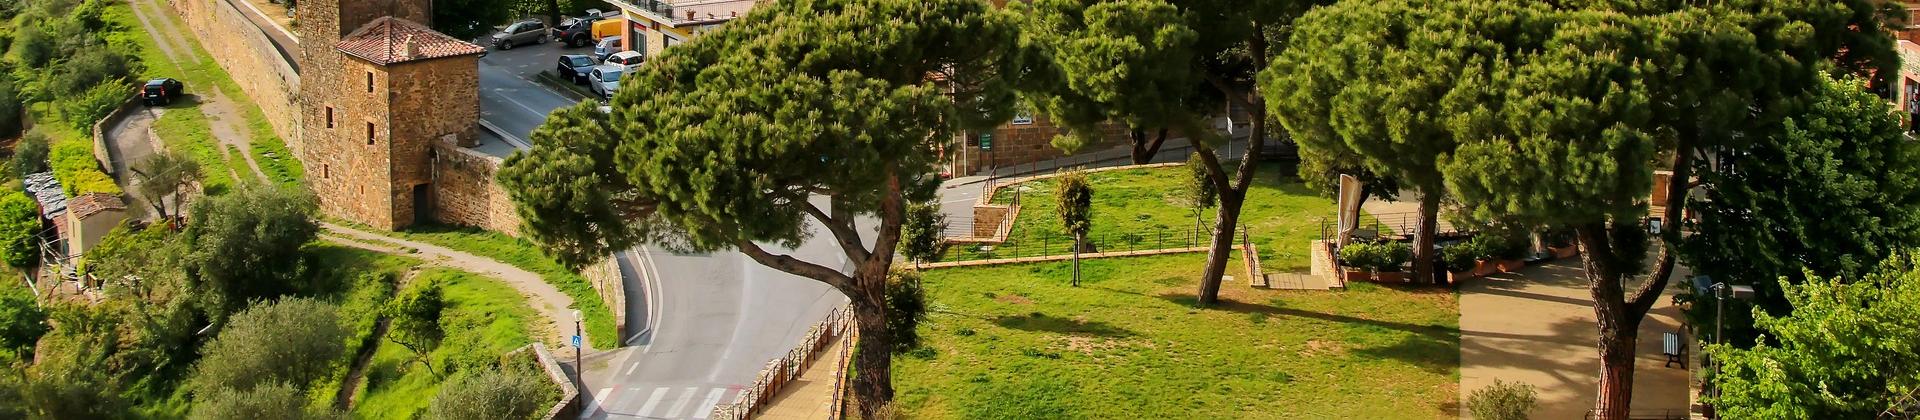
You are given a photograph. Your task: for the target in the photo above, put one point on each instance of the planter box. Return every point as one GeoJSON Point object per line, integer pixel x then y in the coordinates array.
{"type": "Point", "coordinates": [1564, 252]}
{"type": "Point", "coordinates": [1455, 277]}
{"type": "Point", "coordinates": [1352, 275]}
{"type": "Point", "coordinates": [1483, 268]}
{"type": "Point", "coordinates": [1390, 277]}
{"type": "Point", "coordinates": [1508, 266]}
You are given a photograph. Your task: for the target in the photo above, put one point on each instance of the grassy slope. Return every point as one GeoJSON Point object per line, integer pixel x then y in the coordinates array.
{"type": "Point", "coordinates": [483, 320]}
{"type": "Point", "coordinates": [1017, 342]}
{"type": "Point", "coordinates": [360, 301]}
{"type": "Point", "coordinates": [1283, 215]}
{"type": "Point", "coordinates": [525, 255]}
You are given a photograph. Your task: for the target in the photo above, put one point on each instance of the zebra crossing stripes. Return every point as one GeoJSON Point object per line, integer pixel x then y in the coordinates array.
{"type": "Point", "coordinates": [667, 402]}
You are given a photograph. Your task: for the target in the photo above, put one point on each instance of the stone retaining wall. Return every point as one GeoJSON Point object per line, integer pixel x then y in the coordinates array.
{"type": "Point", "coordinates": [464, 192]}
{"type": "Point", "coordinates": [570, 404]}
{"type": "Point", "coordinates": [605, 278]}
{"type": "Point", "coordinates": [102, 153]}
{"type": "Point", "coordinates": [250, 58]}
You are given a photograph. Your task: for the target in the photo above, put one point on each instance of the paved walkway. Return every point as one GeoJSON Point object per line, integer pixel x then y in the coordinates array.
{"type": "Point", "coordinates": [1537, 326]}
{"type": "Point", "coordinates": [811, 396]}
{"type": "Point", "coordinates": [544, 298]}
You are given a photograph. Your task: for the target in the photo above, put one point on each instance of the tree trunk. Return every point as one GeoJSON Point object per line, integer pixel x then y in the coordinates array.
{"type": "Point", "coordinates": [1221, 249]}
{"type": "Point", "coordinates": [1078, 240]}
{"type": "Point", "coordinates": [553, 12]}
{"type": "Point", "coordinates": [1618, 320]}
{"type": "Point", "coordinates": [1143, 150]}
{"type": "Point", "coordinates": [873, 358]}
{"type": "Point", "coordinates": [1423, 239]}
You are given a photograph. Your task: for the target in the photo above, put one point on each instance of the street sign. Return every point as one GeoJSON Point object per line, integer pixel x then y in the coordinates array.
{"type": "Point", "coordinates": [986, 141]}
{"type": "Point", "coordinates": [576, 341]}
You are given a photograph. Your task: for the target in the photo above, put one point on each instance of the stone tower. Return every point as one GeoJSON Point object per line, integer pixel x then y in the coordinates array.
{"type": "Point", "coordinates": [377, 89]}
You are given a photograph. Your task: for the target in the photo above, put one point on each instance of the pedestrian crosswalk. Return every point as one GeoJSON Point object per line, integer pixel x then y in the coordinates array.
{"type": "Point", "coordinates": [657, 402]}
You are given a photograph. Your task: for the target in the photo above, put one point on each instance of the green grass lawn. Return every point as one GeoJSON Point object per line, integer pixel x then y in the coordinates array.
{"type": "Point", "coordinates": [1015, 341]}
{"type": "Point", "coordinates": [185, 130]}
{"type": "Point", "coordinates": [525, 255]}
{"type": "Point", "coordinates": [483, 320]}
{"type": "Point", "coordinates": [1281, 213]}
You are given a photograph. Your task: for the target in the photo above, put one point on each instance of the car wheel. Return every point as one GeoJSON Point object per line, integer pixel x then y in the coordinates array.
{"type": "Point", "coordinates": [541, 40]}
{"type": "Point", "coordinates": [506, 45]}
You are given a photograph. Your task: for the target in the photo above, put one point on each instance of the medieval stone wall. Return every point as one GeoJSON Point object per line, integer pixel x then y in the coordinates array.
{"type": "Point", "coordinates": [1017, 144]}
{"type": "Point", "coordinates": [464, 192]}
{"type": "Point", "coordinates": [248, 55]}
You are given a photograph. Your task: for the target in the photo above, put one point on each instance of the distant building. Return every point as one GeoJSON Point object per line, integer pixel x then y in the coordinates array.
{"type": "Point", "coordinates": [78, 223]}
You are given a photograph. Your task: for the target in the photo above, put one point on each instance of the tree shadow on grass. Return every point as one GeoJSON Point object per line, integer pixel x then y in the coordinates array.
{"type": "Point", "coordinates": [1250, 308]}
{"type": "Point", "coordinates": [1435, 348]}
{"type": "Point", "coordinates": [1040, 322]}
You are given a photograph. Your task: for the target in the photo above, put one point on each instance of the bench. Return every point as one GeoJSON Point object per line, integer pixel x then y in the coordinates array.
{"type": "Point", "coordinates": [1676, 352]}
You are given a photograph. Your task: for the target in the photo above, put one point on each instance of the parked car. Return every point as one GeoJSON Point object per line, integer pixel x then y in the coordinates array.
{"type": "Point", "coordinates": [521, 33]}
{"type": "Point", "coordinates": [576, 67]}
{"type": "Point", "coordinates": [574, 32]}
{"type": "Point", "coordinates": [605, 80]}
{"type": "Point", "coordinates": [627, 60]}
{"type": "Point", "coordinates": [607, 47]}
{"type": "Point", "coordinates": [161, 91]}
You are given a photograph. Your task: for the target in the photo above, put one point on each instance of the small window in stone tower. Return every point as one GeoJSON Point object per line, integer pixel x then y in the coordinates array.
{"type": "Point", "coordinates": [369, 134]}
{"type": "Point", "coordinates": [329, 117]}
{"type": "Point", "coordinates": [369, 82]}
{"type": "Point", "coordinates": [324, 172]}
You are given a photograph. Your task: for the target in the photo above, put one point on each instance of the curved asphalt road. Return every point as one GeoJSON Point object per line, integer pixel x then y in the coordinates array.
{"type": "Point", "coordinates": [705, 324]}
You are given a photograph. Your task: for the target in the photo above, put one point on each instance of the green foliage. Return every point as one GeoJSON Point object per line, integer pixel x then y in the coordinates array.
{"type": "Point", "coordinates": [1200, 191]}
{"type": "Point", "coordinates": [1074, 203]}
{"type": "Point", "coordinates": [1499, 245]}
{"type": "Point", "coordinates": [514, 391]}
{"type": "Point", "coordinates": [1848, 350]}
{"type": "Point", "coordinates": [1502, 401]}
{"type": "Point", "coordinates": [906, 309]}
{"type": "Point", "coordinates": [1385, 256]}
{"type": "Point", "coordinates": [73, 164]}
{"type": "Point", "coordinates": [415, 319]}
{"type": "Point", "coordinates": [1832, 194]}
{"type": "Point", "coordinates": [22, 321]}
{"type": "Point", "coordinates": [527, 256]}
{"type": "Point", "coordinates": [246, 245]}
{"type": "Point", "coordinates": [1460, 256]}
{"type": "Point", "coordinates": [921, 234]}
{"type": "Point", "coordinates": [267, 401]}
{"type": "Point", "coordinates": [1126, 61]}
{"type": "Point", "coordinates": [19, 221]}
{"type": "Point", "coordinates": [469, 19]}
{"type": "Point", "coordinates": [11, 102]}
{"type": "Point", "coordinates": [80, 369]}
{"type": "Point", "coordinates": [189, 134]}
{"type": "Point", "coordinates": [483, 319]}
{"type": "Point", "coordinates": [167, 175]}
{"type": "Point", "coordinates": [30, 154]}
{"type": "Point", "coordinates": [292, 341]}
{"type": "Point", "coordinates": [92, 104]}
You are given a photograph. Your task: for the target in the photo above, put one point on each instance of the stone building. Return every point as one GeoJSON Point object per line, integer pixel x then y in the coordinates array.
{"type": "Point", "coordinates": [378, 90]}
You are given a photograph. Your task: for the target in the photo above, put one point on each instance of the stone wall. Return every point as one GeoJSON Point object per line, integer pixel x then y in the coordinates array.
{"type": "Point", "coordinates": [464, 192]}
{"type": "Point", "coordinates": [350, 171]}
{"type": "Point", "coordinates": [1016, 144]}
{"type": "Point", "coordinates": [248, 55]}
{"type": "Point", "coordinates": [102, 153]}
{"type": "Point", "coordinates": [448, 87]}
{"type": "Point", "coordinates": [605, 278]}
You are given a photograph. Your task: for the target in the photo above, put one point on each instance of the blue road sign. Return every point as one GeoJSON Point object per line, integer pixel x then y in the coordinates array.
{"type": "Point", "coordinates": [576, 341]}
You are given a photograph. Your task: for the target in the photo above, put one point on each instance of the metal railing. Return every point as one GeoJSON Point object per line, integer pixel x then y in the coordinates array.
{"type": "Point", "coordinates": [1040, 243]}
{"type": "Point", "coordinates": [1390, 225]}
{"type": "Point", "coordinates": [779, 372]}
{"type": "Point", "coordinates": [1648, 414]}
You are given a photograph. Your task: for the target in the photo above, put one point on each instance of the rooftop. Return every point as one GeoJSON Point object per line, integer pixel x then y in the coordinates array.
{"type": "Point", "coordinates": [688, 12]}
{"type": "Point", "coordinates": [47, 191]}
{"type": "Point", "coordinates": [390, 40]}
{"type": "Point", "coordinates": [89, 204]}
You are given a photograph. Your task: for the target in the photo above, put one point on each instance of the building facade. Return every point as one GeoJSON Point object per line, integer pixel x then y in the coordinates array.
{"type": "Point", "coordinates": [378, 90]}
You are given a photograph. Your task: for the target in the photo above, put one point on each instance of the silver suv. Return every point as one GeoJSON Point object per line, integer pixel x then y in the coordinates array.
{"type": "Point", "coordinates": [521, 33]}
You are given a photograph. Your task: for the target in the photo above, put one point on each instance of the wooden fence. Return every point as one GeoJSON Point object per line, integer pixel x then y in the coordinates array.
{"type": "Point", "coordinates": [780, 371]}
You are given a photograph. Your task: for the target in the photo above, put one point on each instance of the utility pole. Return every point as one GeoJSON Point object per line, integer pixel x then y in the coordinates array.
{"type": "Point", "coordinates": [579, 370]}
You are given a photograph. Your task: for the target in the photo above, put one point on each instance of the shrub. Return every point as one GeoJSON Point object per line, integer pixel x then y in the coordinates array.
{"type": "Point", "coordinates": [21, 321]}
{"type": "Point", "coordinates": [91, 105]}
{"type": "Point", "coordinates": [1460, 256]}
{"type": "Point", "coordinates": [1361, 255]}
{"type": "Point", "coordinates": [1502, 401]}
{"type": "Point", "coordinates": [30, 155]}
{"type": "Point", "coordinates": [19, 219]}
{"type": "Point", "coordinates": [72, 163]}
{"type": "Point", "coordinates": [514, 391]}
{"type": "Point", "coordinates": [292, 341]}
{"type": "Point", "coordinates": [906, 308]}
{"type": "Point", "coordinates": [1392, 256]}
{"type": "Point", "coordinates": [1496, 246]}
{"type": "Point", "coordinates": [10, 102]}
{"type": "Point", "coordinates": [270, 401]}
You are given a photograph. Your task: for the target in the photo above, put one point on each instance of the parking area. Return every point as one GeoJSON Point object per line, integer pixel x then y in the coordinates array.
{"type": "Point", "coordinates": [511, 98]}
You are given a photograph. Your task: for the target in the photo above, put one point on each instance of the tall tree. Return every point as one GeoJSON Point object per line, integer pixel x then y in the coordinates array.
{"type": "Point", "coordinates": [414, 320]}
{"type": "Point", "coordinates": [19, 225]}
{"type": "Point", "coordinates": [1850, 349]}
{"type": "Point", "coordinates": [1835, 191]}
{"type": "Point", "coordinates": [470, 19]}
{"type": "Point", "coordinates": [1561, 122]}
{"type": "Point", "coordinates": [1075, 206]}
{"type": "Point", "coordinates": [1128, 61]}
{"type": "Point", "coordinates": [1198, 190]}
{"type": "Point", "coordinates": [738, 137]}
{"type": "Point", "coordinates": [921, 232]}
{"type": "Point", "coordinates": [293, 341]}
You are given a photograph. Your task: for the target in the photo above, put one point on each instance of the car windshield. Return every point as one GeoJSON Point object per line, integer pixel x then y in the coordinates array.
{"type": "Point", "coordinates": [610, 76]}
{"type": "Point", "coordinates": [609, 42]}
{"type": "Point", "coordinates": [580, 61]}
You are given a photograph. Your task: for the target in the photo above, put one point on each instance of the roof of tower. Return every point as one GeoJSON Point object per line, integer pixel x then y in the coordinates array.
{"type": "Point", "coordinates": [386, 41]}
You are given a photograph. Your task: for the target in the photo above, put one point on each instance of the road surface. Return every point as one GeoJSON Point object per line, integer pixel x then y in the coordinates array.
{"type": "Point", "coordinates": [509, 98]}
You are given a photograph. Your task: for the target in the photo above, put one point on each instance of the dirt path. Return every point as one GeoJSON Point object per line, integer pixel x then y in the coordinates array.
{"type": "Point", "coordinates": [544, 298]}
{"type": "Point", "coordinates": [160, 29]}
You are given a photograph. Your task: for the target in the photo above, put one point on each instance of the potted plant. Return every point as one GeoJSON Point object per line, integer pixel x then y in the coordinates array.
{"type": "Point", "coordinates": [1509, 253]}
{"type": "Point", "coordinates": [1481, 247]}
{"type": "Point", "coordinates": [1461, 261]}
{"type": "Point", "coordinates": [1560, 243]}
{"type": "Point", "coordinates": [1357, 258]}
{"type": "Point", "coordinates": [1389, 257]}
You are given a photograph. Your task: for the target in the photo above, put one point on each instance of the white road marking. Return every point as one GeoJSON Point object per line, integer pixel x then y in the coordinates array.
{"type": "Point", "coordinates": [713, 399]}
{"type": "Point", "coordinates": [631, 368]}
{"type": "Point", "coordinates": [653, 401]}
{"type": "Point", "coordinates": [599, 401]}
{"type": "Point", "coordinates": [681, 405]}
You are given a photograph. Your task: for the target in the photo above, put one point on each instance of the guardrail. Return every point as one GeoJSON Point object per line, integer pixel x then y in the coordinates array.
{"type": "Point", "coordinates": [785, 369]}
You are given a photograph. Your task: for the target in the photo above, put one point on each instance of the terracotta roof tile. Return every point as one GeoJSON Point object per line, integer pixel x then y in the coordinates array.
{"type": "Point", "coordinates": [93, 203]}
{"type": "Point", "coordinates": [385, 41]}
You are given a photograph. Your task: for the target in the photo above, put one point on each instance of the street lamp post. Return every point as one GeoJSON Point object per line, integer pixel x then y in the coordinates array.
{"type": "Point", "coordinates": [1721, 291]}
{"type": "Point", "coordinates": [579, 340]}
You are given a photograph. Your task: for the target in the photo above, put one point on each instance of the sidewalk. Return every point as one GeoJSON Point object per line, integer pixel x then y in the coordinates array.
{"type": "Point", "coordinates": [811, 396]}
{"type": "Point", "coordinates": [1537, 326]}
{"type": "Point", "coordinates": [958, 195]}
